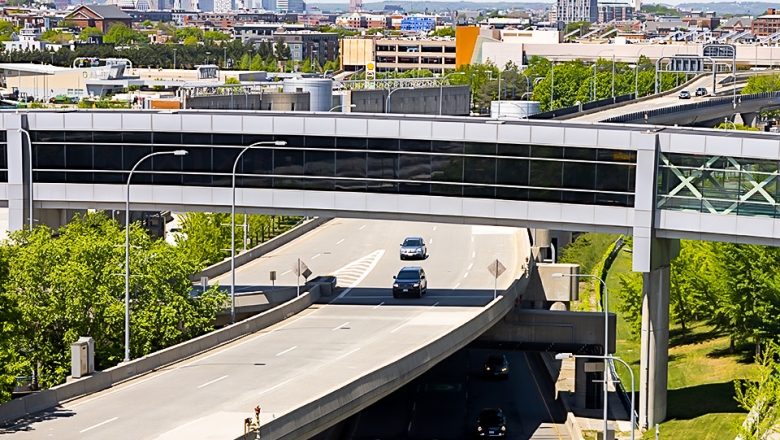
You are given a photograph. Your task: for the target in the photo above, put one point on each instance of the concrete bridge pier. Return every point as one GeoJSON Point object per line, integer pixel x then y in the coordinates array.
{"type": "Point", "coordinates": [748, 119]}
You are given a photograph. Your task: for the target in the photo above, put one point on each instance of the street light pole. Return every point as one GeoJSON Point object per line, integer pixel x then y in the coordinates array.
{"type": "Point", "coordinates": [174, 59]}
{"type": "Point", "coordinates": [606, 336]}
{"type": "Point", "coordinates": [387, 103]}
{"type": "Point", "coordinates": [127, 243]}
{"type": "Point", "coordinates": [441, 86]}
{"type": "Point", "coordinates": [29, 146]}
{"type": "Point", "coordinates": [233, 226]}
{"type": "Point", "coordinates": [343, 105]}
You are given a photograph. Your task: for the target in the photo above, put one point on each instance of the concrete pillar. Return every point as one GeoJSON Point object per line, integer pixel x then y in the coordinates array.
{"type": "Point", "coordinates": [18, 173]}
{"type": "Point", "coordinates": [749, 119]}
{"type": "Point", "coordinates": [580, 383]}
{"type": "Point", "coordinates": [654, 370]}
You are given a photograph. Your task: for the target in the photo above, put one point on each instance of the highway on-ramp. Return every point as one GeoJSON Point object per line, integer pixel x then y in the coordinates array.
{"type": "Point", "coordinates": [314, 352]}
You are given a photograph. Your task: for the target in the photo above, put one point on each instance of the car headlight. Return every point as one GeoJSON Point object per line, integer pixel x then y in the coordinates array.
{"type": "Point", "coordinates": [416, 284]}
{"type": "Point", "coordinates": [479, 428]}
{"type": "Point", "coordinates": [395, 285]}
{"type": "Point", "coordinates": [503, 428]}
{"type": "Point", "coordinates": [503, 369]}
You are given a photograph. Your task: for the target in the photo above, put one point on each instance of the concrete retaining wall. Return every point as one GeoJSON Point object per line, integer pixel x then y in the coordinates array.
{"type": "Point", "coordinates": [261, 249]}
{"type": "Point", "coordinates": [47, 399]}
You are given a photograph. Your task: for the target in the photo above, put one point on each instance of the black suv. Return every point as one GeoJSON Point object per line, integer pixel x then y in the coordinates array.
{"type": "Point", "coordinates": [496, 365]}
{"type": "Point", "coordinates": [410, 281]}
{"type": "Point", "coordinates": [491, 423]}
{"type": "Point", "coordinates": [701, 91]}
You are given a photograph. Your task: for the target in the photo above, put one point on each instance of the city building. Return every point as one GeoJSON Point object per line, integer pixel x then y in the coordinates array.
{"type": "Point", "coordinates": [615, 11]}
{"type": "Point", "coordinates": [28, 39]}
{"type": "Point", "coordinates": [766, 25]}
{"type": "Point", "coordinates": [738, 24]}
{"type": "Point", "coordinates": [362, 20]}
{"type": "Point", "coordinates": [570, 11]}
{"type": "Point", "coordinates": [355, 5]}
{"type": "Point", "coordinates": [398, 55]}
{"type": "Point", "coordinates": [222, 6]}
{"type": "Point", "coordinates": [418, 23]}
{"type": "Point", "coordinates": [255, 32]}
{"type": "Point", "coordinates": [99, 16]}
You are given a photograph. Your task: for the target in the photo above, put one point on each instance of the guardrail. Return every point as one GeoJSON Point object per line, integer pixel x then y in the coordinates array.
{"type": "Point", "coordinates": [641, 115]}
{"type": "Point", "coordinates": [583, 107]}
{"type": "Point", "coordinates": [19, 408]}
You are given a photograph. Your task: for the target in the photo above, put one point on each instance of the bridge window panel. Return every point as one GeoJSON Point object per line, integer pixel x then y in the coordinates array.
{"type": "Point", "coordinates": [351, 164]}
{"type": "Point", "coordinates": [164, 165]}
{"type": "Point", "coordinates": [578, 175]}
{"type": "Point", "coordinates": [213, 139]}
{"type": "Point", "coordinates": [612, 177]}
{"type": "Point", "coordinates": [167, 138]}
{"type": "Point", "coordinates": [196, 139]}
{"type": "Point", "coordinates": [78, 157]}
{"type": "Point", "coordinates": [198, 159]}
{"type": "Point", "coordinates": [3, 136]}
{"type": "Point", "coordinates": [447, 147]}
{"type": "Point", "coordinates": [480, 148]}
{"type": "Point", "coordinates": [288, 183]}
{"type": "Point", "coordinates": [78, 136]}
{"type": "Point", "coordinates": [319, 184]}
{"type": "Point", "coordinates": [3, 156]}
{"type": "Point", "coordinates": [578, 197]}
{"type": "Point", "coordinates": [320, 142]}
{"type": "Point", "coordinates": [580, 153]}
{"type": "Point", "coordinates": [350, 185]}
{"type": "Point", "coordinates": [131, 154]}
{"type": "Point", "coordinates": [415, 145]}
{"type": "Point", "coordinates": [512, 172]}
{"type": "Point", "coordinates": [479, 170]}
{"type": "Point", "coordinates": [438, 189]}
{"type": "Point", "coordinates": [319, 163]}
{"type": "Point", "coordinates": [79, 177]}
{"type": "Point", "coordinates": [632, 178]}
{"type": "Point", "coordinates": [687, 160]}
{"type": "Point", "coordinates": [247, 139]}
{"type": "Point", "coordinates": [720, 185]}
{"type": "Point", "coordinates": [258, 161]}
{"type": "Point", "coordinates": [546, 174]}
{"type": "Point", "coordinates": [292, 141]}
{"type": "Point", "coordinates": [288, 163]}
{"type": "Point", "coordinates": [546, 152]}
{"type": "Point", "coordinates": [508, 193]}
{"type": "Point", "coordinates": [612, 199]}
{"type": "Point", "coordinates": [382, 187]}
{"type": "Point", "coordinates": [247, 182]}
{"type": "Point", "coordinates": [107, 137]}
{"type": "Point", "coordinates": [49, 156]}
{"type": "Point", "coordinates": [514, 150]}
{"type": "Point", "coordinates": [544, 195]}
{"type": "Point", "coordinates": [3, 176]}
{"type": "Point", "coordinates": [414, 167]}
{"type": "Point", "coordinates": [481, 191]}
{"type": "Point", "coordinates": [47, 136]}
{"type": "Point", "coordinates": [346, 143]}
{"type": "Point", "coordinates": [382, 166]}
{"type": "Point", "coordinates": [757, 209]}
{"type": "Point", "coordinates": [447, 169]}
{"type": "Point", "coordinates": [420, 189]}
{"type": "Point", "coordinates": [136, 137]}
{"type": "Point", "coordinates": [383, 144]}
{"type": "Point", "coordinates": [108, 157]}
{"type": "Point", "coordinates": [606, 155]}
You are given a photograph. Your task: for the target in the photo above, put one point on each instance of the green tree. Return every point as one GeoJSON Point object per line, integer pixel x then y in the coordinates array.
{"type": "Point", "coordinates": [191, 41]}
{"type": "Point", "coordinates": [587, 250]}
{"type": "Point", "coordinates": [121, 35]}
{"type": "Point", "coordinates": [630, 294]}
{"type": "Point", "coordinates": [147, 23]}
{"type": "Point", "coordinates": [89, 32]}
{"type": "Point", "coordinates": [282, 50]}
{"type": "Point", "coordinates": [761, 84]}
{"type": "Point", "coordinates": [760, 398]}
{"type": "Point", "coordinates": [232, 80]}
{"type": "Point", "coordinates": [212, 36]}
{"type": "Point", "coordinates": [443, 32]}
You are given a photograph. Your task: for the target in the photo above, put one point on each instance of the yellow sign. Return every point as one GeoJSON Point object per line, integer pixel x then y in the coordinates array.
{"type": "Point", "coordinates": [370, 66]}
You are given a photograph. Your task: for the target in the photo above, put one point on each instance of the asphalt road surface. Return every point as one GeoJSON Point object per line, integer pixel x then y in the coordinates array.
{"type": "Point", "coordinates": [444, 402]}
{"type": "Point", "coordinates": [307, 355]}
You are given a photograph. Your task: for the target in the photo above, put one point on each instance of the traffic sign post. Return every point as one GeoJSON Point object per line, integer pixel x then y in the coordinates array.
{"type": "Point", "coordinates": [496, 269]}
{"type": "Point", "coordinates": [300, 269]}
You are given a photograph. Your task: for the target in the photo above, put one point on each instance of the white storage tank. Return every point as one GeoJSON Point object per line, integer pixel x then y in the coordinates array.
{"type": "Point", "coordinates": [514, 109]}
{"type": "Point", "coordinates": [320, 91]}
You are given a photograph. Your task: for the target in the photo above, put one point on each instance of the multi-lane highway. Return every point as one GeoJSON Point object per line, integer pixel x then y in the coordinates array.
{"type": "Point", "coordinates": [310, 354]}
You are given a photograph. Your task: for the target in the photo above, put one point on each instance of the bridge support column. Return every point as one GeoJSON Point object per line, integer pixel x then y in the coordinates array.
{"type": "Point", "coordinates": [18, 173]}
{"type": "Point", "coordinates": [655, 333]}
{"type": "Point", "coordinates": [749, 119]}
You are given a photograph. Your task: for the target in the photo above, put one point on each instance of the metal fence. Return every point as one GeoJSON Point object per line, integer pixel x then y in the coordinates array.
{"type": "Point", "coordinates": [563, 111]}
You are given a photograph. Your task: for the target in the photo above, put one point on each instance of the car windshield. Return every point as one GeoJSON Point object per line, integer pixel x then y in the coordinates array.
{"type": "Point", "coordinates": [413, 242]}
{"type": "Point", "coordinates": [408, 274]}
{"type": "Point", "coordinates": [495, 360]}
{"type": "Point", "coordinates": [491, 418]}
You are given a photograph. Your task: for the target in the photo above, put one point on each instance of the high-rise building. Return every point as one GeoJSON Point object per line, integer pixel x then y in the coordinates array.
{"type": "Point", "coordinates": [222, 6]}
{"type": "Point", "coordinates": [570, 11]}
{"type": "Point", "coordinates": [355, 5]}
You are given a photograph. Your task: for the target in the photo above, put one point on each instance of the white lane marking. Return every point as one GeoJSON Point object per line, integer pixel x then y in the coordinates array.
{"type": "Point", "coordinates": [473, 253]}
{"type": "Point", "coordinates": [472, 239]}
{"type": "Point", "coordinates": [456, 286]}
{"type": "Point", "coordinates": [285, 273]}
{"type": "Point", "coordinates": [414, 406]}
{"type": "Point", "coordinates": [342, 326]}
{"type": "Point", "coordinates": [316, 256]}
{"type": "Point", "coordinates": [182, 426]}
{"type": "Point", "coordinates": [409, 429]}
{"type": "Point", "coordinates": [434, 228]}
{"type": "Point", "coordinates": [287, 351]}
{"type": "Point", "coordinates": [215, 380]}
{"type": "Point", "coordinates": [135, 383]}
{"type": "Point", "coordinates": [347, 354]}
{"type": "Point", "coordinates": [470, 266]}
{"type": "Point", "coordinates": [341, 241]}
{"type": "Point", "coordinates": [99, 424]}
{"type": "Point", "coordinates": [434, 305]}
{"type": "Point", "coordinates": [379, 305]}
{"type": "Point", "coordinates": [275, 387]}
{"type": "Point", "coordinates": [361, 228]}
{"type": "Point", "coordinates": [430, 241]}
{"type": "Point", "coordinates": [398, 328]}
{"type": "Point", "coordinates": [465, 275]}
{"type": "Point", "coordinates": [373, 258]}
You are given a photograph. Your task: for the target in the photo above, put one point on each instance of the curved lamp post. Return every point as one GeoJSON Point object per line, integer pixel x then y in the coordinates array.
{"type": "Point", "coordinates": [725, 122]}
{"type": "Point", "coordinates": [127, 244]}
{"type": "Point", "coordinates": [344, 105]}
{"type": "Point", "coordinates": [387, 103]}
{"type": "Point", "coordinates": [441, 86]}
{"type": "Point", "coordinates": [606, 334]}
{"type": "Point", "coordinates": [233, 226]}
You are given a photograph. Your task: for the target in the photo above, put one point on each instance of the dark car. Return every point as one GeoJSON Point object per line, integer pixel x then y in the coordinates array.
{"type": "Point", "coordinates": [496, 365]}
{"type": "Point", "coordinates": [491, 423]}
{"type": "Point", "coordinates": [702, 91]}
{"type": "Point", "coordinates": [684, 95]}
{"type": "Point", "coordinates": [413, 247]}
{"type": "Point", "coordinates": [410, 281]}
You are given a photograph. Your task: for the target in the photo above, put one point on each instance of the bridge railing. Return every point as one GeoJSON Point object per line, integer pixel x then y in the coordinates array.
{"type": "Point", "coordinates": [563, 111]}
{"type": "Point", "coordinates": [642, 115]}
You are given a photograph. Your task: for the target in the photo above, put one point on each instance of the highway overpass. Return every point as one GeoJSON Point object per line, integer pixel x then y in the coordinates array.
{"type": "Point", "coordinates": [657, 183]}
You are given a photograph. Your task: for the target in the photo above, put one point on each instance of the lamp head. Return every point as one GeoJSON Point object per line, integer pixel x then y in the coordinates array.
{"type": "Point", "coordinates": [557, 275]}
{"type": "Point", "coordinates": [562, 356]}
{"type": "Point", "coordinates": [280, 143]}
{"type": "Point", "coordinates": [181, 153]}
{"type": "Point", "coordinates": [352, 105]}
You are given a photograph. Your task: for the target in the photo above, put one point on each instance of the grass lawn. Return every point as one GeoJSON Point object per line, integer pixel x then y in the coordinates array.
{"type": "Point", "coordinates": [701, 403]}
